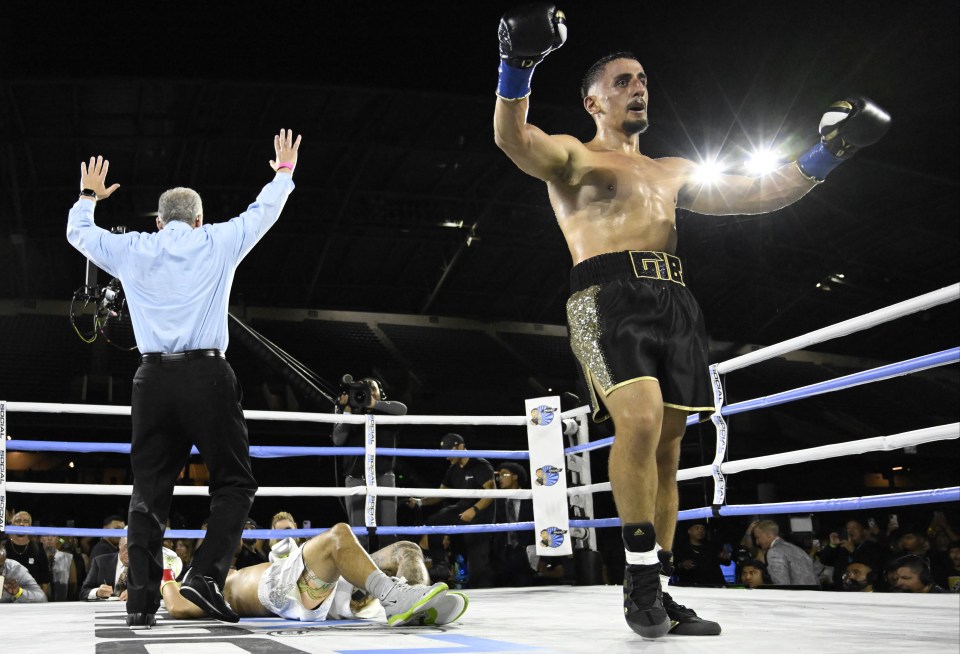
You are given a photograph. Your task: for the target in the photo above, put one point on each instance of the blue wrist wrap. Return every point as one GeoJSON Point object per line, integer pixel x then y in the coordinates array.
{"type": "Point", "coordinates": [817, 162]}
{"type": "Point", "coordinates": [514, 82]}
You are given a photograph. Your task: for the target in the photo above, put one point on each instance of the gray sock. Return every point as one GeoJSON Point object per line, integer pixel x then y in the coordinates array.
{"type": "Point", "coordinates": [379, 584]}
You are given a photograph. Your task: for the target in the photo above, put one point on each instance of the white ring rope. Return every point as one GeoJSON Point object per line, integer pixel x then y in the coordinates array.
{"type": "Point", "coordinates": [867, 320]}
{"type": "Point", "coordinates": [879, 443]}
{"type": "Point", "coordinates": [297, 416]}
{"type": "Point", "coordinates": [272, 491]}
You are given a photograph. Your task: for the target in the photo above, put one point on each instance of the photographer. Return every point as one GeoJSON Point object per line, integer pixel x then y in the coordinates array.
{"type": "Point", "coordinates": [365, 397]}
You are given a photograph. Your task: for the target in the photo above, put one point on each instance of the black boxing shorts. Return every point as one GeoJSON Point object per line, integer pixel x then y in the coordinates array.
{"type": "Point", "coordinates": [631, 318]}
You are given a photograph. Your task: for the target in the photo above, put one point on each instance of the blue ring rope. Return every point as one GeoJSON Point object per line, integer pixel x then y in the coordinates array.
{"type": "Point", "coordinates": [875, 374]}
{"type": "Point", "coordinates": [269, 451]}
{"type": "Point", "coordinates": [911, 498]}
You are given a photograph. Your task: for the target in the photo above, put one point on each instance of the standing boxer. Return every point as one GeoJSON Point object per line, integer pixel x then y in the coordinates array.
{"type": "Point", "coordinates": [634, 327]}
{"type": "Point", "coordinates": [177, 283]}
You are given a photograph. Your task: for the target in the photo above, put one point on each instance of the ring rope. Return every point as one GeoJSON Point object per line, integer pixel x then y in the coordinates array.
{"type": "Point", "coordinates": [297, 416]}
{"type": "Point", "coordinates": [911, 498]}
{"type": "Point", "coordinates": [862, 322]}
{"type": "Point", "coordinates": [881, 373]}
{"type": "Point", "coordinates": [934, 496]}
{"type": "Point", "coordinates": [878, 443]}
{"type": "Point", "coordinates": [845, 328]}
{"type": "Point", "coordinates": [268, 451]}
{"type": "Point", "coordinates": [875, 444]}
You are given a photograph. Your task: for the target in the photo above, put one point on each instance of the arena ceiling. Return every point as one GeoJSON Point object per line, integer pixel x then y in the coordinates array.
{"type": "Point", "coordinates": [405, 205]}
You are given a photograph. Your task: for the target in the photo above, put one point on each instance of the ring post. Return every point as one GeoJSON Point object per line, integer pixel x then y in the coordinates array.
{"type": "Point", "coordinates": [579, 466]}
{"type": "Point", "coordinates": [548, 480]}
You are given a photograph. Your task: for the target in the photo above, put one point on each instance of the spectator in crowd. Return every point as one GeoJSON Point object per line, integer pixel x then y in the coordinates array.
{"type": "Point", "coordinates": [351, 467]}
{"type": "Point", "coordinates": [28, 552]}
{"type": "Point", "coordinates": [78, 572]}
{"type": "Point", "coordinates": [108, 575]}
{"type": "Point", "coordinates": [511, 560]}
{"type": "Point", "coordinates": [184, 549]}
{"type": "Point", "coordinates": [440, 559]}
{"type": "Point", "coordinates": [950, 575]}
{"type": "Point", "coordinates": [558, 570]}
{"type": "Point", "coordinates": [754, 574]}
{"type": "Point", "coordinates": [852, 545]}
{"type": "Point", "coordinates": [788, 564]}
{"type": "Point", "coordinates": [859, 577]}
{"type": "Point", "coordinates": [913, 540]}
{"type": "Point", "coordinates": [473, 474]}
{"type": "Point", "coordinates": [63, 571]}
{"type": "Point", "coordinates": [18, 586]}
{"type": "Point", "coordinates": [199, 541]}
{"type": "Point", "coordinates": [284, 520]}
{"type": "Point", "coordinates": [890, 576]}
{"type": "Point", "coordinates": [940, 533]}
{"type": "Point", "coordinates": [913, 576]}
{"type": "Point", "coordinates": [108, 544]}
{"type": "Point", "coordinates": [250, 551]}
{"type": "Point", "coordinates": [748, 545]}
{"type": "Point", "coordinates": [169, 543]}
{"type": "Point", "coordinates": [697, 560]}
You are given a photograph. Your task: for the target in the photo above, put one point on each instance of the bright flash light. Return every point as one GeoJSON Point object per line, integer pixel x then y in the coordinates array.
{"type": "Point", "coordinates": [762, 162]}
{"type": "Point", "coordinates": [708, 172]}
{"type": "Point", "coordinates": [70, 465]}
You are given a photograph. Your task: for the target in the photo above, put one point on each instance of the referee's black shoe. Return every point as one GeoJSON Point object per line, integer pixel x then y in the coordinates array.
{"type": "Point", "coordinates": [642, 601]}
{"type": "Point", "coordinates": [141, 620]}
{"type": "Point", "coordinates": [203, 592]}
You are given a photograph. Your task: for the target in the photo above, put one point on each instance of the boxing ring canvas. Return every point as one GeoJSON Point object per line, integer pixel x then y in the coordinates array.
{"type": "Point", "coordinates": [582, 619]}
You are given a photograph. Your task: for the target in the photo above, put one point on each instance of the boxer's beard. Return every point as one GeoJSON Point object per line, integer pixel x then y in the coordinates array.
{"type": "Point", "coordinates": [638, 126]}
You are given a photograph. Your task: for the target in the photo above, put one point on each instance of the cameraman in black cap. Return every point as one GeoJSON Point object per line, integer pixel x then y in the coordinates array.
{"type": "Point", "coordinates": [367, 396]}
{"type": "Point", "coordinates": [467, 474]}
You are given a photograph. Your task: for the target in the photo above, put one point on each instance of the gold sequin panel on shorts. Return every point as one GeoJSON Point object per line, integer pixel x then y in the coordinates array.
{"type": "Point", "coordinates": [583, 320]}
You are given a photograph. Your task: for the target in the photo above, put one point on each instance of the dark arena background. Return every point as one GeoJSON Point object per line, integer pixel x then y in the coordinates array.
{"type": "Point", "coordinates": [413, 249]}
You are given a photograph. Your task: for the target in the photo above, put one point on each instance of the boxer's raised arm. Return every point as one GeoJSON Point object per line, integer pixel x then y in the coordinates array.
{"type": "Point", "coordinates": [527, 34]}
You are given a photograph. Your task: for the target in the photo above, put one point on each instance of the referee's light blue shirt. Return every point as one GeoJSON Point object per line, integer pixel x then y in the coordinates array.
{"type": "Point", "coordinates": [177, 280]}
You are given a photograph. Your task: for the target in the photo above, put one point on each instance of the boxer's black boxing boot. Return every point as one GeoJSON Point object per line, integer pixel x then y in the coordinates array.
{"type": "Point", "coordinates": [642, 600]}
{"type": "Point", "coordinates": [684, 621]}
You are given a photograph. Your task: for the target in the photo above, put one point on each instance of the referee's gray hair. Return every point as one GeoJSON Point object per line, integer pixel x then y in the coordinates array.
{"type": "Point", "coordinates": [181, 204]}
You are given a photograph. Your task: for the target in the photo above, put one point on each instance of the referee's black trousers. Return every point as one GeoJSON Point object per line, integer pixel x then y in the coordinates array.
{"type": "Point", "coordinates": [175, 405]}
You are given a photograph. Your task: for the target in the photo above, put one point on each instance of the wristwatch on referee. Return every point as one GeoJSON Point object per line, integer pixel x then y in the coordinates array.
{"type": "Point", "coordinates": [88, 193]}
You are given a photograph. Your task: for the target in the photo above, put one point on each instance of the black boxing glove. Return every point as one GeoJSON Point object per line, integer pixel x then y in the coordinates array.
{"type": "Point", "coordinates": [846, 127]}
{"type": "Point", "coordinates": [527, 34]}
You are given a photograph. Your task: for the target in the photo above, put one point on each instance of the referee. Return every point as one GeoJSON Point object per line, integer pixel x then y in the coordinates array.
{"type": "Point", "coordinates": [177, 283]}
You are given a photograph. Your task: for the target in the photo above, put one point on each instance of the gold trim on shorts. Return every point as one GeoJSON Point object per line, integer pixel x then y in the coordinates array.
{"type": "Point", "coordinates": [583, 320]}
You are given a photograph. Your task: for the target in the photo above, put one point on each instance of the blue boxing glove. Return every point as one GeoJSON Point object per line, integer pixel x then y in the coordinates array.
{"type": "Point", "coordinates": [527, 34]}
{"type": "Point", "coordinates": [846, 127]}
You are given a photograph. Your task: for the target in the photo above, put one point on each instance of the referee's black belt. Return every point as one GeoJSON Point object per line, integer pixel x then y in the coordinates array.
{"type": "Point", "coordinates": [164, 357]}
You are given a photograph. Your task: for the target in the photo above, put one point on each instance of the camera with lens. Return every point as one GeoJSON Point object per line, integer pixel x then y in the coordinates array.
{"type": "Point", "coordinates": [357, 392]}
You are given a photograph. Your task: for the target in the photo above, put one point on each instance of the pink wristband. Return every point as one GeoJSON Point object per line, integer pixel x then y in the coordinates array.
{"type": "Point", "coordinates": [285, 164]}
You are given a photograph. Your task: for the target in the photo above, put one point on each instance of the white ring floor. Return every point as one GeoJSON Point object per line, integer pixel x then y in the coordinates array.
{"type": "Point", "coordinates": [583, 619]}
